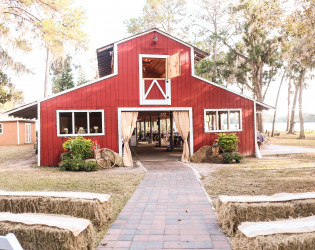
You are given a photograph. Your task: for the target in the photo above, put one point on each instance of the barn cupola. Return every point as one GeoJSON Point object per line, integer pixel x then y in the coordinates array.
{"type": "Point", "coordinates": [105, 60]}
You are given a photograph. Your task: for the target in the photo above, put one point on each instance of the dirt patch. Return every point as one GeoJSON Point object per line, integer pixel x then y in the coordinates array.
{"type": "Point", "coordinates": [204, 169]}
{"type": "Point", "coordinates": [17, 158]}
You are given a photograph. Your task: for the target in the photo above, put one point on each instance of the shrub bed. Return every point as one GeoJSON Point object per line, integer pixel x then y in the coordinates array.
{"type": "Point", "coordinates": [78, 150]}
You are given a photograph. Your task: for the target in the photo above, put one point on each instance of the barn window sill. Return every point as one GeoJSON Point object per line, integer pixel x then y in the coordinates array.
{"type": "Point", "coordinates": [222, 131]}
{"type": "Point", "coordinates": [71, 135]}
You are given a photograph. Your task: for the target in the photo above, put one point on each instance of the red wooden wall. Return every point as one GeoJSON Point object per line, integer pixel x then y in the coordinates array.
{"type": "Point", "coordinates": [123, 91]}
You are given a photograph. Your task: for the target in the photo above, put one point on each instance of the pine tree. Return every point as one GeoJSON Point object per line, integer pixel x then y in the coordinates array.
{"type": "Point", "coordinates": [63, 81]}
{"type": "Point", "coordinates": [81, 77]}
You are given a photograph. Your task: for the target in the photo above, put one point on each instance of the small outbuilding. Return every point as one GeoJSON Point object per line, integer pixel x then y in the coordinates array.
{"type": "Point", "coordinates": [147, 88]}
{"type": "Point", "coordinates": [15, 131]}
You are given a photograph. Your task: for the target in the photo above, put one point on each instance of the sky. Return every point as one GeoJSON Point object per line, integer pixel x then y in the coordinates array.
{"type": "Point", "coordinates": [105, 25]}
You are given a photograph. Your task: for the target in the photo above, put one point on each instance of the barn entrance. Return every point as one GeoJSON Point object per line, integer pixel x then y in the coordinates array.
{"type": "Point", "coordinates": [155, 136]}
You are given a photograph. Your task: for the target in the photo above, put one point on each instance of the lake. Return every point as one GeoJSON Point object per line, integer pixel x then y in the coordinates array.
{"type": "Point", "coordinates": [282, 126]}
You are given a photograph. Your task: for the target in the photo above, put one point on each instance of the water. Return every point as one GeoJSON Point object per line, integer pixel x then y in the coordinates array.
{"type": "Point", "coordinates": [282, 126]}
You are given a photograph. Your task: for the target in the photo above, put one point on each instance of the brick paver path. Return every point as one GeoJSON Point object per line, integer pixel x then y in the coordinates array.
{"type": "Point", "coordinates": [169, 210]}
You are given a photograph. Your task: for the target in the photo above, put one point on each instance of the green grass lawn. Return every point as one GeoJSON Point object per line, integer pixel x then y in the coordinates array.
{"type": "Point", "coordinates": [120, 183]}
{"type": "Point", "coordinates": [291, 140]}
{"type": "Point", "coordinates": [267, 176]}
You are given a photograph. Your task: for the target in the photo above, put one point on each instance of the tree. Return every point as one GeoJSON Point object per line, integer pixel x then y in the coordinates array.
{"type": "Point", "coordinates": [212, 70]}
{"type": "Point", "coordinates": [8, 93]}
{"type": "Point", "coordinates": [166, 15]}
{"type": "Point", "coordinates": [300, 29]}
{"type": "Point", "coordinates": [276, 105]}
{"type": "Point", "coordinates": [289, 103]}
{"type": "Point", "coordinates": [10, 39]}
{"type": "Point", "coordinates": [81, 77]}
{"type": "Point", "coordinates": [293, 109]}
{"type": "Point", "coordinates": [212, 23]}
{"type": "Point", "coordinates": [54, 23]}
{"type": "Point", "coordinates": [254, 60]}
{"type": "Point", "coordinates": [63, 78]}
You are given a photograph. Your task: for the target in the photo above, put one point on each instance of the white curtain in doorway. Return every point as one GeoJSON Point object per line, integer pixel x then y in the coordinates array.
{"type": "Point", "coordinates": [128, 123]}
{"type": "Point", "coordinates": [182, 124]}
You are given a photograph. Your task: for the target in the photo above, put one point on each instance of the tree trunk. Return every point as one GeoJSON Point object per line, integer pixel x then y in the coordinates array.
{"type": "Point", "coordinates": [260, 122]}
{"type": "Point", "coordinates": [301, 86]}
{"type": "Point", "coordinates": [291, 129]}
{"type": "Point", "coordinates": [275, 113]}
{"type": "Point", "coordinates": [289, 102]}
{"type": "Point", "coordinates": [260, 98]}
{"type": "Point", "coordinates": [214, 78]}
{"type": "Point", "coordinates": [46, 84]}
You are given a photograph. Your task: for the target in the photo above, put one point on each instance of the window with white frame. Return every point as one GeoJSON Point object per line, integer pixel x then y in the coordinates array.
{"type": "Point", "coordinates": [223, 120]}
{"type": "Point", "coordinates": [80, 122]}
{"type": "Point", "coordinates": [1, 128]}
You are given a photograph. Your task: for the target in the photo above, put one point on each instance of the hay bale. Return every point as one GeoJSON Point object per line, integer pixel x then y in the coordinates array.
{"type": "Point", "coordinates": [301, 241]}
{"type": "Point", "coordinates": [204, 155]}
{"type": "Point", "coordinates": [286, 234]}
{"type": "Point", "coordinates": [38, 235]}
{"type": "Point", "coordinates": [232, 214]}
{"type": "Point", "coordinates": [98, 212]}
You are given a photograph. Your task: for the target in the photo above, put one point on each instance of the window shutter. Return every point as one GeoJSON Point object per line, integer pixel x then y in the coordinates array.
{"type": "Point", "coordinates": [173, 65]}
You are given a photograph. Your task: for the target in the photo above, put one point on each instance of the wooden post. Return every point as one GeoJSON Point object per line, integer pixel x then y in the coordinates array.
{"type": "Point", "coordinates": [151, 139]}
{"type": "Point", "coordinates": [144, 128]}
{"type": "Point", "coordinates": [172, 132]}
{"type": "Point", "coordinates": [140, 132]}
{"type": "Point", "coordinates": [159, 121]}
{"type": "Point", "coordinates": [136, 134]}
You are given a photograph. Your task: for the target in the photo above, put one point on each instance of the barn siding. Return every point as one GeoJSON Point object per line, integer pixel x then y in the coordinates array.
{"type": "Point", "coordinates": [122, 90]}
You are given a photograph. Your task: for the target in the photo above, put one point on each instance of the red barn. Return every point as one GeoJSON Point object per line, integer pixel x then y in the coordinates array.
{"type": "Point", "coordinates": [152, 74]}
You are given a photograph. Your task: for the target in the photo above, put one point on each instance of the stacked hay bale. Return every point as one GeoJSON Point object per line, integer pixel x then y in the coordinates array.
{"type": "Point", "coordinates": [38, 231]}
{"type": "Point", "coordinates": [95, 207]}
{"type": "Point", "coordinates": [233, 211]}
{"type": "Point", "coordinates": [205, 155]}
{"type": "Point", "coordinates": [286, 234]}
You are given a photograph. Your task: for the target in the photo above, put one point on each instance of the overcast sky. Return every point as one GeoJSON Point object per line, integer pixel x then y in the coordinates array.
{"type": "Point", "coordinates": [105, 24]}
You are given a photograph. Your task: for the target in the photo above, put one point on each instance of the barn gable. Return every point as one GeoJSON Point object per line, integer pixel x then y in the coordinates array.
{"type": "Point", "coordinates": [109, 65]}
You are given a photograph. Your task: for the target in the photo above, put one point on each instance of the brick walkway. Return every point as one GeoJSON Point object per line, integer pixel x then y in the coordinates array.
{"type": "Point", "coordinates": [169, 210]}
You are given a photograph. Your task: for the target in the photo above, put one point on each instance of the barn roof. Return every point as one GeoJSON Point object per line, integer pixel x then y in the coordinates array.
{"type": "Point", "coordinates": [6, 118]}
{"type": "Point", "coordinates": [29, 111]}
{"type": "Point", "coordinates": [105, 54]}
{"type": "Point", "coordinates": [199, 54]}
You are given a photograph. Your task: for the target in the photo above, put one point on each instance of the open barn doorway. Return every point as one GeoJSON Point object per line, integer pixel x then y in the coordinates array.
{"type": "Point", "coordinates": [155, 136]}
